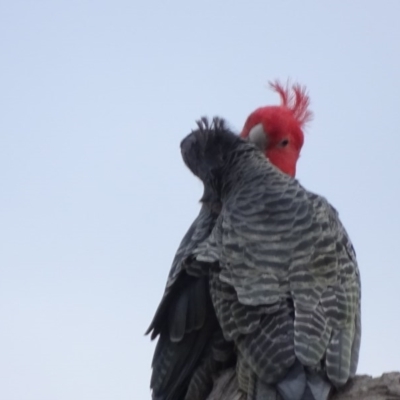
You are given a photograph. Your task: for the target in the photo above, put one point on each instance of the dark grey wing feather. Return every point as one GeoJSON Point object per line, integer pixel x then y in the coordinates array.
{"type": "Point", "coordinates": [184, 320]}
{"type": "Point", "coordinates": [175, 362]}
{"type": "Point", "coordinates": [198, 232]}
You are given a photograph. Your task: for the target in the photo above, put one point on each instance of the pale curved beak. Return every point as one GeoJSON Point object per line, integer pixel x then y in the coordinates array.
{"type": "Point", "coordinates": [258, 136]}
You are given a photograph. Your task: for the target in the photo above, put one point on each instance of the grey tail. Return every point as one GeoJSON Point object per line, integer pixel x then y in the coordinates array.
{"type": "Point", "coordinates": [317, 386]}
{"type": "Point", "coordinates": [304, 384]}
{"type": "Point", "coordinates": [293, 385]}
{"type": "Point", "coordinates": [300, 383]}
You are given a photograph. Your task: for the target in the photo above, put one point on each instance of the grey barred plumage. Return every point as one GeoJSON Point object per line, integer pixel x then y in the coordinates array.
{"type": "Point", "coordinates": [284, 278]}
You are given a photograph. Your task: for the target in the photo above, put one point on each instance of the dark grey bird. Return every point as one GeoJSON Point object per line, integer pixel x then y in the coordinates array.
{"type": "Point", "coordinates": [182, 370]}
{"type": "Point", "coordinates": [283, 274]}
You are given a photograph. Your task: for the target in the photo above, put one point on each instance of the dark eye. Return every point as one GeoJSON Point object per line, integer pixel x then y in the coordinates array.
{"type": "Point", "coordinates": [284, 142]}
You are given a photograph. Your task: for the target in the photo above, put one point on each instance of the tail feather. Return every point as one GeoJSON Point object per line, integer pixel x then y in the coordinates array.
{"type": "Point", "coordinates": [319, 387]}
{"type": "Point", "coordinates": [293, 385]}
{"type": "Point", "coordinates": [299, 383]}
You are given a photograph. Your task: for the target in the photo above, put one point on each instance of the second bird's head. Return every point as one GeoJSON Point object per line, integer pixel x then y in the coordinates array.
{"type": "Point", "coordinates": [278, 130]}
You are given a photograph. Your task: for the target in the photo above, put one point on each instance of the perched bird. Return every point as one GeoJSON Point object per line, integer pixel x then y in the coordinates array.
{"type": "Point", "coordinates": [191, 347]}
{"type": "Point", "coordinates": [284, 279]}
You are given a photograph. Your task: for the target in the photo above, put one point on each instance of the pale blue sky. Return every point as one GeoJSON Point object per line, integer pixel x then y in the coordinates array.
{"type": "Point", "coordinates": [95, 97]}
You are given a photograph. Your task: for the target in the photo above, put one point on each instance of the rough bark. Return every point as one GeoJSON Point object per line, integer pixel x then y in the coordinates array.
{"type": "Point", "coordinates": [362, 387]}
